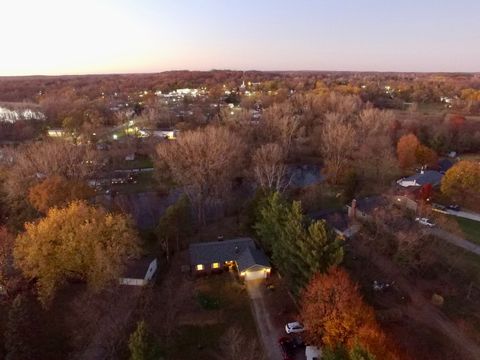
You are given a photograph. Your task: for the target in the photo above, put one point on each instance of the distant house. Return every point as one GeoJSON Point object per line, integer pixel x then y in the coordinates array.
{"type": "Point", "coordinates": [338, 220]}
{"type": "Point", "coordinates": [444, 165]}
{"type": "Point", "coordinates": [366, 207]}
{"type": "Point", "coordinates": [240, 254]}
{"type": "Point", "coordinates": [166, 134]}
{"type": "Point", "coordinates": [139, 272]}
{"type": "Point", "coordinates": [422, 178]}
{"type": "Point", "coordinates": [56, 133]}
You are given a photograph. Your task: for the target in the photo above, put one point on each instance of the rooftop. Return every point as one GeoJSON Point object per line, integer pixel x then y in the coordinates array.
{"type": "Point", "coordinates": [241, 250]}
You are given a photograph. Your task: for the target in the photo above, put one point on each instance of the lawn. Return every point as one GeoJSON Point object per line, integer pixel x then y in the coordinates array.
{"type": "Point", "coordinates": [145, 182]}
{"type": "Point", "coordinates": [470, 228]}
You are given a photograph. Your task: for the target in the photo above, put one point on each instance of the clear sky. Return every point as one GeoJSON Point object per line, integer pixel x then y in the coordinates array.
{"type": "Point", "coordinates": [111, 36]}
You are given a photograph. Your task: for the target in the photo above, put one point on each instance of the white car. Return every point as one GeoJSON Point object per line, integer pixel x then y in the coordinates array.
{"type": "Point", "coordinates": [294, 327]}
{"type": "Point", "coordinates": [425, 222]}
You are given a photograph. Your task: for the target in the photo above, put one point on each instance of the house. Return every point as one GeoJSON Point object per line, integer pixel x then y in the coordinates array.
{"type": "Point", "coordinates": [424, 177]}
{"type": "Point", "coordinates": [166, 134]}
{"type": "Point", "coordinates": [56, 133]}
{"type": "Point", "coordinates": [444, 165]}
{"type": "Point", "coordinates": [139, 272]}
{"type": "Point", "coordinates": [240, 254]}
{"type": "Point", "coordinates": [337, 220]}
{"type": "Point", "coordinates": [366, 207]}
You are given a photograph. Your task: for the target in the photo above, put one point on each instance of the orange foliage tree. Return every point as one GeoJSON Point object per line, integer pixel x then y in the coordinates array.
{"type": "Point", "coordinates": [425, 156]}
{"type": "Point", "coordinates": [335, 314]}
{"type": "Point", "coordinates": [406, 150]}
{"type": "Point", "coordinates": [57, 191]}
{"type": "Point", "coordinates": [462, 183]}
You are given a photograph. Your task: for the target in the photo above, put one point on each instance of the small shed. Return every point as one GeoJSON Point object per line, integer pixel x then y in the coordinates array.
{"type": "Point", "coordinates": [139, 272]}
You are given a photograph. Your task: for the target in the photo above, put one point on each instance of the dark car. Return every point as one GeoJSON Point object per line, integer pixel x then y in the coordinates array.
{"type": "Point", "coordinates": [453, 207]}
{"type": "Point", "coordinates": [287, 346]}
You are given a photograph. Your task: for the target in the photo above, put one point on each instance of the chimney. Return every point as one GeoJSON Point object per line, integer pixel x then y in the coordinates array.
{"type": "Point", "coordinates": [353, 209]}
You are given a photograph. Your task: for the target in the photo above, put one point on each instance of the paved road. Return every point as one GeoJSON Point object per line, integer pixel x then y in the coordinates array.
{"type": "Point", "coordinates": [455, 240]}
{"type": "Point", "coordinates": [266, 328]}
{"type": "Point", "coordinates": [463, 214]}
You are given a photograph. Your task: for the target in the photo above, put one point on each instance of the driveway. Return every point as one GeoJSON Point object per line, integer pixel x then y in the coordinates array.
{"type": "Point", "coordinates": [455, 240]}
{"type": "Point", "coordinates": [270, 318]}
{"type": "Point", "coordinates": [269, 334]}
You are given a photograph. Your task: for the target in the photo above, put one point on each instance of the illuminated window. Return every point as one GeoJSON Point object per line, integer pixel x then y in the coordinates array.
{"type": "Point", "coordinates": [215, 265]}
{"type": "Point", "coordinates": [199, 267]}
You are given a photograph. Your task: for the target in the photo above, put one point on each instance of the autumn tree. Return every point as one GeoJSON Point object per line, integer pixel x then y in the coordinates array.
{"type": "Point", "coordinates": [141, 344]}
{"type": "Point", "coordinates": [406, 150]}
{"type": "Point", "coordinates": [204, 162]}
{"type": "Point", "coordinates": [425, 156]}
{"type": "Point", "coordinates": [335, 315]}
{"type": "Point", "coordinates": [269, 167]}
{"type": "Point", "coordinates": [6, 248]}
{"type": "Point", "coordinates": [462, 183]}
{"type": "Point", "coordinates": [58, 191]}
{"type": "Point", "coordinates": [76, 242]}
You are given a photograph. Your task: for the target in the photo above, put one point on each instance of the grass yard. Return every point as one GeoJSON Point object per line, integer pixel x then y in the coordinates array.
{"type": "Point", "coordinates": [145, 182]}
{"type": "Point", "coordinates": [470, 228]}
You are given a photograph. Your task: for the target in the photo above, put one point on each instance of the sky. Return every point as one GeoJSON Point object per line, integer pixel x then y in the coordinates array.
{"type": "Point", "coordinates": [57, 37]}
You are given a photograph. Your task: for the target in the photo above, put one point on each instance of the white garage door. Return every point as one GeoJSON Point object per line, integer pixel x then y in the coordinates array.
{"type": "Point", "coordinates": [255, 274]}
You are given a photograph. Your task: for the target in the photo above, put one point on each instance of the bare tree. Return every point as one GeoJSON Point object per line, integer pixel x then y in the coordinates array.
{"type": "Point", "coordinates": [204, 162]}
{"type": "Point", "coordinates": [36, 161]}
{"type": "Point", "coordinates": [269, 167]}
{"type": "Point", "coordinates": [282, 124]}
{"type": "Point", "coordinates": [235, 346]}
{"type": "Point", "coordinates": [337, 144]}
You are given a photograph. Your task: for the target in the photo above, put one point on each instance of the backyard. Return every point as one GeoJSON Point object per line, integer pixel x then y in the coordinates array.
{"type": "Point", "coordinates": [201, 318]}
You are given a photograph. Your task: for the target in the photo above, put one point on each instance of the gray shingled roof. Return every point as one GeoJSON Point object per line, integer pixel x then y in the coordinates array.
{"type": "Point", "coordinates": [427, 177]}
{"type": "Point", "coordinates": [368, 204]}
{"type": "Point", "coordinates": [250, 257]}
{"type": "Point", "coordinates": [242, 250]}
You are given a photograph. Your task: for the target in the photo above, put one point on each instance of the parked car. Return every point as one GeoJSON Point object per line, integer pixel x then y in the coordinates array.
{"type": "Point", "coordinates": [439, 207]}
{"type": "Point", "coordinates": [453, 207]}
{"type": "Point", "coordinates": [287, 347]}
{"type": "Point", "coordinates": [294, 327]}
{"type": "Point", "coordinates": [313, 353]}
{"type": "Point", "coordinates": [425, 222]}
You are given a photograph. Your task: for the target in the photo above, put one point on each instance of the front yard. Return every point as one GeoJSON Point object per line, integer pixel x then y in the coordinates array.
{"type": "Point", "coordinates": [470, 228]}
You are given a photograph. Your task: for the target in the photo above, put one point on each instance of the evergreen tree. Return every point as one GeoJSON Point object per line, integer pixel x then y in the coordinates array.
{"type": "Point", "coordinates": [175, 224]}
{"type": "Point", "coordinates": [269, 227]}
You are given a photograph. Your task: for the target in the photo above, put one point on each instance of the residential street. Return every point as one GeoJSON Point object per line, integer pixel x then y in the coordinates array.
{"type": "Point", "coordinates": [463, 214]}
{"type": "Point", "coordinates": [455, 240]}
{"type": "Point", "coordinates": [269, 334]}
